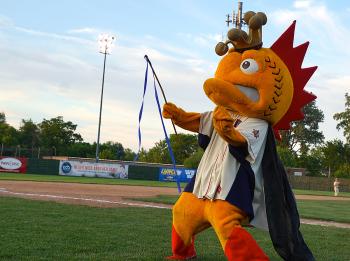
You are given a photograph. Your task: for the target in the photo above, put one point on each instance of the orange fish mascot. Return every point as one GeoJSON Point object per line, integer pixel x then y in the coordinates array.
{"type": "Point", "coordinates": [240, 180]}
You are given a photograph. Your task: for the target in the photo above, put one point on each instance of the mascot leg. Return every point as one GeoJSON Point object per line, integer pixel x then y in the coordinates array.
{"type": "Point", "coordinates": [188, 220]}
{"type": "Point", "coordinates": [237, 243]}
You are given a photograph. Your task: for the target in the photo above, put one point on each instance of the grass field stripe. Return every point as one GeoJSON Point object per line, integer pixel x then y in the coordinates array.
{"type": "Point", "coordinates": [302, 220]}
{"type": "Point", "coordinates": [86, 199]}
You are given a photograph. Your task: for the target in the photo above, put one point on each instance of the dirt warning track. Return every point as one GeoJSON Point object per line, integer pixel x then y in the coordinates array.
{"type": "Point", "coordinates": [83, 194]}
{"type": "Point", "coordinates": [112, 196]}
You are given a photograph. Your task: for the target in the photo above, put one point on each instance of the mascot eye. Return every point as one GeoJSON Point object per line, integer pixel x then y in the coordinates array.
{"type": "Point", "coordinates": [249, 66]}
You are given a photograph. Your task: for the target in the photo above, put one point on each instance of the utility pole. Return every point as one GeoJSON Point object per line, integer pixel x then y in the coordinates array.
{"type": "Point", "coordinates": [105, 46]}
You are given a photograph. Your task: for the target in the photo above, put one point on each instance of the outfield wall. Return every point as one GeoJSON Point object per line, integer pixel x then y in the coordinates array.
{"type": "Point", "coordinates": [150, 171]}
{"type": "Point", "coordinates": [42, 166]}
{"type": "Point", "coordinates": [318, 183]}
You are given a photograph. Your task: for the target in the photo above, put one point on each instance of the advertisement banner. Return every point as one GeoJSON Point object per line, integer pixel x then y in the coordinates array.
{"type": "Point", "coordinates": [182, 174]}
{"type": "Point", "coordinates": [10, 164]}
{"type": "Point", "coordinates": [92, 169]}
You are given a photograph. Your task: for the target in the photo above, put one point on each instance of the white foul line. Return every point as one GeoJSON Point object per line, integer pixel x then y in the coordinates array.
{"type": "Point", "coordinates": [304, 221]}
{"type": "Point", "coordinates": [2, 190]}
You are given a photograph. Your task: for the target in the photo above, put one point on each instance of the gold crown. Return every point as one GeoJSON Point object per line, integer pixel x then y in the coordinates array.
{"type": "Point", "coordinates": [242, 41]}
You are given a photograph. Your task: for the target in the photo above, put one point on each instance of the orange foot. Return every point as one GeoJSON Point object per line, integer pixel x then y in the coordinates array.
{"type": "Point", "coordinates": [180, 250]}
{"type": "Point", "coordinates": [241, 246]}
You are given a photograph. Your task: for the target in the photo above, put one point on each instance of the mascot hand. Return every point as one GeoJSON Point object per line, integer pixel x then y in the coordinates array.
{"type": "Point", "coordinates": [186, 120]}
{"type": "Point", "coordinates": [223, 124]}
{"type": "Point", "coordinates": [222, 120]}
{"type": "Point", "coordinates": [171, 111]}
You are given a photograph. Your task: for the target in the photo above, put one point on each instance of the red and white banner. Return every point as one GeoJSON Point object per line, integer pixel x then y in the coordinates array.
{"type": "Point", "coordinates": [10, 164]}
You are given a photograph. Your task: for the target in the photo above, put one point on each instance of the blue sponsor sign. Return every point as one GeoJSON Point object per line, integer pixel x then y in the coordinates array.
{"type": "Point", "coordinates": [182, 174]}
{"type": "Point", "coordinates": [66, 167]}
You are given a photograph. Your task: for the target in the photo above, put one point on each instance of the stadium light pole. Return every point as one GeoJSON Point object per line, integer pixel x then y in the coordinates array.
{"type": "Point", "coordinates": [105, 42]}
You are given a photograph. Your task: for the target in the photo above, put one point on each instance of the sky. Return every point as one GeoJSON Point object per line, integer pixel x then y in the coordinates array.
{"type": "Point", "coordinates": [50, 65]}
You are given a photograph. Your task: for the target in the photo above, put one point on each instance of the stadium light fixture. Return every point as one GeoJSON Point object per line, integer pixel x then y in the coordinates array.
{"type": "Point", "coordinates": [105, 42]}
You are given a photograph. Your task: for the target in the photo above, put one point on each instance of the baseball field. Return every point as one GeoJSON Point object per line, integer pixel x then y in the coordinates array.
{"type": "Point", "coordinates": [67, 218]}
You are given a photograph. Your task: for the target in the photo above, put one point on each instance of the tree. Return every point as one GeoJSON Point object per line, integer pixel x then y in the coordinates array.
{"type": "Point", "coordinates": [335, 154]}
{"type": "Point", "coordinates": [304, 134]}
{"type": "Point", "coordinates": [312, 162]}
{"type": "Point", "coordinates": [193, 160]}
{"type": "Point", "coordinates": [2, 117]}
{"type": "Point", "coordinates": [112, 150]}
{"type": "Point", "coordinates": [158, 153]}
{"type": "Point", "coordinates": [58, 133]}
{"type": "Point", "coordinates": [29, 134]}
{"type": "Point", "coordinates": [82, 149]}
{"type": "Point", "coordinates": [343, 171]}
{"type": "Point", "coordinates": [106, 154]}
{"type": "Point", "coordinates": [129, 155]}
{"type": "Point", "coordinates": [344, 118]}
{"type": "Point", "coordinates": [287, 156]}
{"type": "Point", "coordinates": [183, 146]}
{"type": "Point", "coordinates": [8, 134]}
{"type": "Point", "coordinates": [142, 155]}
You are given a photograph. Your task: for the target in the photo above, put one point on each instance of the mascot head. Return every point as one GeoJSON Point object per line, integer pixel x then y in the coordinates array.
{"type": "Point", "coordinates": [265, 83]}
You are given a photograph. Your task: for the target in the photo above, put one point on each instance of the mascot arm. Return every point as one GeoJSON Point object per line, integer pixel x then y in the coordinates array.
{"type": "Point", "coordinates": [186, 120]}
{"type": "Point", "coordinates": [223, 124]}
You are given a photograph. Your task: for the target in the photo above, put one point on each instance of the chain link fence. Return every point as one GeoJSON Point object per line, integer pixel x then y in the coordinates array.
{"type": "Point", "coordinates": [31, 153]}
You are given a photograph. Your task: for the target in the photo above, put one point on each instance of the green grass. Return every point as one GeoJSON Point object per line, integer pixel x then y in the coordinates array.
{"type": "Point", "coordinates": [164, 199]}
{"type": "Point", "coordinates": [35, 230]}
{"type": "Point", "coordinates": [319, 193]}
{"type": "Point", "coordinates": [338, 211]}
{"type": "Point", "coordinates": [86, 180]}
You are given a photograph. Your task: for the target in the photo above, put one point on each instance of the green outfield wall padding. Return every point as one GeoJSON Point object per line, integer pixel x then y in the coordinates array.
{"type": "Point", "coordinates": [143, 172]}
{"type": "Point", "coordinates": [43, 167]}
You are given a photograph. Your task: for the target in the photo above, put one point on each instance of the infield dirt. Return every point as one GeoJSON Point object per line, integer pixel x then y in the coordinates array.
{"type": "Point", "coordinates": [110, 196]}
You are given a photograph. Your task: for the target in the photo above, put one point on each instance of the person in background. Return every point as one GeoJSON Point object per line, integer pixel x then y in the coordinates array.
{"type": "Point", "coordinates": [336, 185]}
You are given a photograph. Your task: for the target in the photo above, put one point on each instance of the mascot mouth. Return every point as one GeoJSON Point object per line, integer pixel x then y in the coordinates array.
{"type": "Point", "coordinates": [250, 92]}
